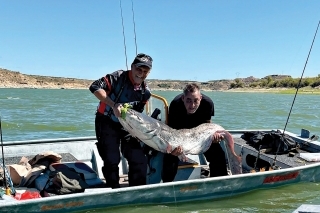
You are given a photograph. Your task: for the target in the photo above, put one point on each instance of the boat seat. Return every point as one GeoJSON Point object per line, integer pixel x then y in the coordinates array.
{"type": "Point", "coordinates": [97, 163]}
{"type": "Point", "coordinates": [191, 169]}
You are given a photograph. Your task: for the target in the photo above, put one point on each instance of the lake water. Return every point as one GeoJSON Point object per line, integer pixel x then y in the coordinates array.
{"type": "Point", "coordinates": [29, 114]}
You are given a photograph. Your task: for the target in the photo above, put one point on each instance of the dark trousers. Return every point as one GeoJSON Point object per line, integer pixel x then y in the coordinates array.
{"type": "Point", "coordinates": [214, 155]}
{"type": "Point", "coordinates": [109, 135]}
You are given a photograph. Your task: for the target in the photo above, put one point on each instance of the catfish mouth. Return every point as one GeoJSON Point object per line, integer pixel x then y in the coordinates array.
{"type": "Point", "coordinates": [134, 120]}
{"type": "Point", "coordinates": [134, 117]}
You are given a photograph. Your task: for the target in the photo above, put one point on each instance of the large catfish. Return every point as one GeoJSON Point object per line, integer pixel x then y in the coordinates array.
{"type": "Point", "coordinates": [162, 138]}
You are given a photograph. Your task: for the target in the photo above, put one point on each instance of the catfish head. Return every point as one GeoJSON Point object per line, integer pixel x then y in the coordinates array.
{"type": "Point", "coordinates": [145, 128]}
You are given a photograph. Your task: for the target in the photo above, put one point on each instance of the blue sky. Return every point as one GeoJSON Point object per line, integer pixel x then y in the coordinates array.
{"type": "Point", "coordinates": [189, 40]}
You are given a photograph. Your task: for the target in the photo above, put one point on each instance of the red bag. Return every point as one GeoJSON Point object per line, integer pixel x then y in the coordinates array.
{"type": "Point", "coordinates": [27, 195]}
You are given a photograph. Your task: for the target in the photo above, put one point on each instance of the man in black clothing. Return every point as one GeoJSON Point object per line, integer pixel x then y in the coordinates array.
{"type": "Point", "coordinates": [186, 111]}
{"type": "Point", "coordinates": [112, 90]}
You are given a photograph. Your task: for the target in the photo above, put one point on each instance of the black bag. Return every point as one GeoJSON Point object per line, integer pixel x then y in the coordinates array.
{"type": "Point", "coordinates": [66, 181]}
{"type": "Point", "coordinates": [281, 143]}
{"type": "Point", "coordinates": [275, 142]}
{"type": "Point", "coordinates": [253, 138]}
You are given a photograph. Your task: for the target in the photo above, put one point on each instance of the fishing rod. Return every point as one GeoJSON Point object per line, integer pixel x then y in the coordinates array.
{"type": "Point", "coordinates": [3, 164]}
{"type": "Point", "coordinates": [123, 34]}
{"type": "Point", "coordinates": [124, 37]}
{"type": "Point", "coordinates": [275, 157]}
{"type": "Point", "coordinates": [134, 28]}
{"type": "Point", "coordinates": [256, 162]}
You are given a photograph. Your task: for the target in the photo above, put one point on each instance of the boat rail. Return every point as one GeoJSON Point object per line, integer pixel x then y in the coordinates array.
{"type": "Point", "coordinates": [42, 141]}
{"type": "Point", "coordinates": [149, 106]}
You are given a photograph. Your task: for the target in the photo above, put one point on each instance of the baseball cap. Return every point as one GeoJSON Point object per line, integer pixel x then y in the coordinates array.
{"type": "Point", "coordinates": [143, 60]}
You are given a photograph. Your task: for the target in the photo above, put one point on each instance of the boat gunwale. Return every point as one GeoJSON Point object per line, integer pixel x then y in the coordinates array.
{"type": "Point", "coordinates": [174, 184]}
{"type": "Point", "coordinates": [40, 141]}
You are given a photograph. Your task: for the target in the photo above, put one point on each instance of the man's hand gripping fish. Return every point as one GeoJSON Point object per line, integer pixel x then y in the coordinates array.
{"type": "Point", "coordinates": [165, 139]}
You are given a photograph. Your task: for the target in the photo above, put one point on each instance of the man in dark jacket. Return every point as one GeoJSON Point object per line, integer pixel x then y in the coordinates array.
{"type": "Point", "coordinates": [112, 91]}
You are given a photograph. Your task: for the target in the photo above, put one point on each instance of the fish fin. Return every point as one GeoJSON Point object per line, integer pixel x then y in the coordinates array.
{"type": "Point", "coordinates": [234, 161]}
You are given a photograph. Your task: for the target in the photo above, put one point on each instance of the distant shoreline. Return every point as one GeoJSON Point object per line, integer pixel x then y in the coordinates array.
{"type": "Point", "coordinates": [13, 79]}
{"type": "Point", "coordinates": [261, 90]}
{"type": "Point", "coordinates": [311, 91]}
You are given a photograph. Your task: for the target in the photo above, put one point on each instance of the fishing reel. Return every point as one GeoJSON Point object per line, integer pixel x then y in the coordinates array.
{"type": "Point", "coordinates": [276, 167]}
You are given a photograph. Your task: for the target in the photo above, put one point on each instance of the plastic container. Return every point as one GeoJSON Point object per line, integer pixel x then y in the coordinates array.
{"type": "Point", "coordinates": [312, 157]}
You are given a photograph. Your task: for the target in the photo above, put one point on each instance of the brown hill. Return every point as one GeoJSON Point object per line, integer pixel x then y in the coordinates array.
{"type": "Point", "coordinates": [14, 79]}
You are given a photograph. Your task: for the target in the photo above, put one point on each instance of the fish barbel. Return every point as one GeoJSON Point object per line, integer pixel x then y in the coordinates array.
{"type": "Point", "coordinates": [165, 139]}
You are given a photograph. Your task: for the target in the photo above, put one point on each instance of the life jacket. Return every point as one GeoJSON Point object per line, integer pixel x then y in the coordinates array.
{"type": "Point", "coordinates": [123, 92]}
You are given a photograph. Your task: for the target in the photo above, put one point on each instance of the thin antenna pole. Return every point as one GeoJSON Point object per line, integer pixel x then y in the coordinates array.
{"type": "Point", "coordinates": [274, 161]}
{"type": "Point", "coordinates": [124, 37]}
